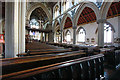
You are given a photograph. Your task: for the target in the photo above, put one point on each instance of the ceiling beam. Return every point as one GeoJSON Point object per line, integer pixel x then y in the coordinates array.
{"type": "Point", "coordinates": [84, 18]}
{"type": "Point", "coordinates": [111, 12]}
{"type": "Point", "coordinates": [115, 8]}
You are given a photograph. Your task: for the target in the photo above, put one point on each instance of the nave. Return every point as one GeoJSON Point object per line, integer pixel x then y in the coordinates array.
{"type": "Point", "coordinates": [61, 40]}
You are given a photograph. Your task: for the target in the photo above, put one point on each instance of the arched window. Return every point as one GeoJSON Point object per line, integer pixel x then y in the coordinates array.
{"type": "Point", "coordinates": [66, 5]}
{"type": "Point", "coordinates": [34, 24]}
{"type": "Point", "coordinates": [81, 35]}
{"type": "Point", "coordinates": [68, 36]}
{"type": "Point", "coordinates": [108, 33]}
{"type": "Point", "coordinates": [56, 11]}
{"type": "Point", "coordinates": [58, 35]}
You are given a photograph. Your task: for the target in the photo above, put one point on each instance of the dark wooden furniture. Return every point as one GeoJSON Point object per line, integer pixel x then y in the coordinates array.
{"type": "Point", "coordinates": [85, 68]}
{"type": "Point", "coordinates": [29, 62]}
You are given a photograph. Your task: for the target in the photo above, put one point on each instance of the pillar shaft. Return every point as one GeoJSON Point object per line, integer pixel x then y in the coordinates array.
{"type": "Point", "coordinates": [74, 35]}
{"type": "Point", "coordinates": [51, 34]}
{"type": "Point", "coordinates": [22, 38]}
{"type": "Point", "coordinates": [11, 29]}
{"type": "Point", "coordinates": [118, 30]}
{"type": "Point", "coordinates": [14, 28]}
{"type": "Point", "coordinates": [101, 32]}
{"type": "Point", "coordinates": [61, 36]}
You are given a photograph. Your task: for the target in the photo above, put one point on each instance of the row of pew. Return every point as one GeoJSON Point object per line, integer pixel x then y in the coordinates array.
{"type": "Point", "coordinates": [111, 53]}
{"type": "Point", "coordinates": [34, 68]}
{"type": "Point", "coordinates": [52, 61]}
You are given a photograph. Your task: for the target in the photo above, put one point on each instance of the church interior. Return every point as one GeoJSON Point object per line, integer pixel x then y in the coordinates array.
{"type": "Point", "coordinates": [60, 40]}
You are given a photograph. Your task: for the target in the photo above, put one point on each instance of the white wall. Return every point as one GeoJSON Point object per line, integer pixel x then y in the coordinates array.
{"type": "Point", "coordinates": [114, 22]}
{"type": "Point", "coordinates": [90, 29]}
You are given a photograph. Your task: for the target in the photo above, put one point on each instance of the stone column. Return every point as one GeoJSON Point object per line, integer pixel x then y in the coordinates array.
{"type": "Point", "coordinates": [14, 28]}
{"type": "Point", "coordinates": [21, 24]}
{"type": "Point", "coordinates": [51, 34]}
{"type": "Point", "coordinates": [11, 29]}
{"type": "Point", "coordinates": [45, 36]}
{"type": "Point", "coordinates": [74, 34]}
{"type": "Point", "coordinates": [101, 32]}
{"type": "Point", "coordinates": [41, 36]}
{"type": "Point", "coordinates": [61, 36]}
{"type": "Point", "coordinates": [22, 37]}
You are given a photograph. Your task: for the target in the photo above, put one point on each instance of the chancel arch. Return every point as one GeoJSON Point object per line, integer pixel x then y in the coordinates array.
{"type": "Point", "coordinates": [37, 5]}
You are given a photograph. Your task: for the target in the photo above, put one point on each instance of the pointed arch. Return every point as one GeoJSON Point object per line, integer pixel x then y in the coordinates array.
{"type": "Point", "coordinates": [81, 33]}
{"type": "Point", "coordinates": [37, 5]}
{"type": "Point", "coordinates": [104, 8]}
{"type": "Point", "coordinates": [64, 19]}
{"type": "Point", "coordinates": [110, 26]}
{"type": "Point", "coordinates": [81, 28]}
{"type": "Point", "coordinates": [67, 32]}
{"type": "Point", "coordinates": [82, 7]}
{"type": "Point", "coordinates": [55, 23]}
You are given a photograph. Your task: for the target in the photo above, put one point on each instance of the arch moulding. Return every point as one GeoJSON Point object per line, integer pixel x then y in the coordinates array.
{"type": "Point", "coordinates": [104, 8]}
{"type": "Point", "coordinates": [37, 5]}
{"type": "Point", "coordinates": [82, 7]}
{"type": "Point", "coordinates": [64, 19]}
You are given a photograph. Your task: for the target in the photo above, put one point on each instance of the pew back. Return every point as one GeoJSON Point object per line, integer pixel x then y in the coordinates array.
{"type": "Point", "coordinates": [85, 68]}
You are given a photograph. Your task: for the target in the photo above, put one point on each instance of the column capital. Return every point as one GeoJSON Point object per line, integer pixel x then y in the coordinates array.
{"type": "Point", "coordinates": [101, 21]}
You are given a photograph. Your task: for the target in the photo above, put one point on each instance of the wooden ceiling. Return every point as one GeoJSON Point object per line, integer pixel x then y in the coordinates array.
{"type": "Point", "coordinates": [114, 10]}
{"type": "Point", "coordinates": [68, 23]}
{"type": "Point", "coordinates": [39, 14]}
{"type": "Point", "coordinates": [88, 15]}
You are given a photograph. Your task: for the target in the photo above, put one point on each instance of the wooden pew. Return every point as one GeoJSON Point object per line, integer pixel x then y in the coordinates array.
{"type": "Point", "coordinates": [43, 52]}
{"type": "Point", "coordinates": [111, 54]}
{"type": "Point", "coordinates": [85, 68]}
{"type": "Point", "coordinates": [29, 62]}
{"type": "Point", "coordinates": [38, 46]}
